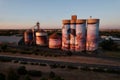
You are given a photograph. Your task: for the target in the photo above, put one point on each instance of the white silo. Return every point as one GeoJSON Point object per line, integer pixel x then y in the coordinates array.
{"type": "Point", "coordinates": [66, 35]}
{"type": "Point", "coordinates": [72, 34]}
{"type": "Point", "coordinates": [80, 40]}
{"type": "Point", "coordinates": [41, 38]}
{"type": "Point", "coordinates": [92, 34]}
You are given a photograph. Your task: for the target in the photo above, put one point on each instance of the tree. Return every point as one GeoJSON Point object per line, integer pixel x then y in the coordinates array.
{"type": "Point", "coordinates": [12, 75]}
{"type": "Point", "coordinates": [52, 74]}
{"type": "Point", "coordinates": [3, 47]}
{"type": "Point", "coordinates": [43, 78]}
{"type": "Point", "coordinates": [27, 77]}
{"type": "Point", "coordinates": [57, 78]}
{"type": "Point", "coordinates": [35, 73]}
{"type": "Point", "coordinates": [22, 70]}
{"type": "Point", "coordinates": [109, 45]}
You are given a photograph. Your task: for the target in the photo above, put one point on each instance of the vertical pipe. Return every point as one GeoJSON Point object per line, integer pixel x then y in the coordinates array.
{"type": "Point", "coordinates": [66, 35]}
{"type": "Point", "coordinates": [80, 40]}
{"type": "Point", "coordinates": [74, 17]}
{"type": "Point", "coordinates": [72, 34]}
{"type": "Point", "coordinates": [92, 34]}
{"type": "Point", "coordinates": [38, 26]}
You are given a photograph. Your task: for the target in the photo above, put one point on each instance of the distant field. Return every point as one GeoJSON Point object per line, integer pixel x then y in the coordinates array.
{"type": "Point", "coordinates": [4, 32]}
{"type": "Point", "coordinates": [107, 32]}
{"type": "Point", "coordinates": [66, 74]}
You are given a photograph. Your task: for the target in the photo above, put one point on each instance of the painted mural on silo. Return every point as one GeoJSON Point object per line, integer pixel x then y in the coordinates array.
{"type": "Point", "coordinates": [80, 40]}
{"type": "Point", "coordinates": [92, 34]}
{"type": "Point", "coordinates": [72, 34]}
{"type": "Point", "coordinates": [66, 35]}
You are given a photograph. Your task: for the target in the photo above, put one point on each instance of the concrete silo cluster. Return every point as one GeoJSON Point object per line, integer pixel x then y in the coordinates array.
{"type": "Point", "coordinates": [77, 35]}
{"type": "Point", "coordinates": [80, 34]}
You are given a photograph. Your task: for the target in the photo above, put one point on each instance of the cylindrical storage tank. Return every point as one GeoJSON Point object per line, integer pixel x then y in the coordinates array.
{"type": "Point", "coordinates": [92, 34]}
{"type": "Point", "coordinates": [41, 38]}
{"type": "Point", "coordinates": [28, 37]}
{"type": "Point", "coordinates": [72, 34]}
{"type": "Point", "coordinates": [55, 41]}
{"type": "Point", "coordinates": [66, 35]}
{"type": "Point", "coordinates": [80, 40]}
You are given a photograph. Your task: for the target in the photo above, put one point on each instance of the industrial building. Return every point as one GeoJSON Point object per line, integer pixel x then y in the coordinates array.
{"type": "Point", "coordinates": [78, 35]}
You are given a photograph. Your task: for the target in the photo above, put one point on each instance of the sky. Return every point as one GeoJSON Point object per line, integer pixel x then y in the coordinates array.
{"type": "Point", "coordinates": [23, 14]}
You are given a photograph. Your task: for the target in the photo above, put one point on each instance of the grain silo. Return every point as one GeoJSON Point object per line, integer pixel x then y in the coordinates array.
{"type": "Point", "coordinates": [66, 35]}
{"type": "Point", "coordinates": [72, 34]}
{"type": "Point", "coordinates": [28, 37]}
{"type": "Point", "coordinates": [41, 38]}
{"type": "Point", "coordinates": [80, 41]}
{"type": "Point", "coordinates": [92, 34]}
{"type": "Point", "coordinates": [55, 41]}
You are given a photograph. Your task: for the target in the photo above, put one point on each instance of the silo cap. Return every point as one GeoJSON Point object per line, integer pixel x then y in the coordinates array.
{"type": "Point", "coordinates": [54, 36]}
{"type": "Point", "coordinates": [80, 21]}
{"type": "Point", "coordinates": [41, 30]}
{"type": "Point", "coordinates": [66, 21]}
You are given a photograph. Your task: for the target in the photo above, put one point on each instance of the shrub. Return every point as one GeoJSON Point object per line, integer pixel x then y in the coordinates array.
{"type": "Point", "coordinates": [109, 45]}
{"type": "Point", "coordinates": [36, 63]}
{"type": "Point", "coordinates": [5, 59]}
{"type": "Point", "coordinates": [43, 64]}
{"type": "Point", "coordinates": [32, 63]}
{"type": "Point", "coordinates": [12, 75]}
{"type": "Point", "coordinates": [85, 68]}
{"type": "Point", "coordinates": [2, 76]}
{"type": "Point", "coordinates": [43, 79]}
{"type": "Point", "coordinates": [69, 53]}
{"type": "Point", "coordinates": [35, 73]}
{"type": "Point", "coordinates": [51, 74]}
{"type": "Point", "coordinates": [15, 61]}
{"type": "Point", "coordinates": [72, 67]}
{"type": "Point", "coordinates": [54, 66]}
{"type": "Point", "coordinates": [98, 70]}
{"type": "Point", "coordinates": [4, 47]}
{"type": "Point", "coordinates": [23, 62]}
{"type": "Point", "coordinates": [113, 71]}
{"type": "Point", "coordinates": [22, 70]}
{"type": "Point", "coordinates": [62, 66]}
{"type": "Point", "coordinates": [27, 77]}
{"type": "Point", "coordinates": [57, 78]}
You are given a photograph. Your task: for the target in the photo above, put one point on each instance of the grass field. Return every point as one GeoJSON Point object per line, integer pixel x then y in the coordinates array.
{"type": "Point", "coordinates": [66, 74]}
